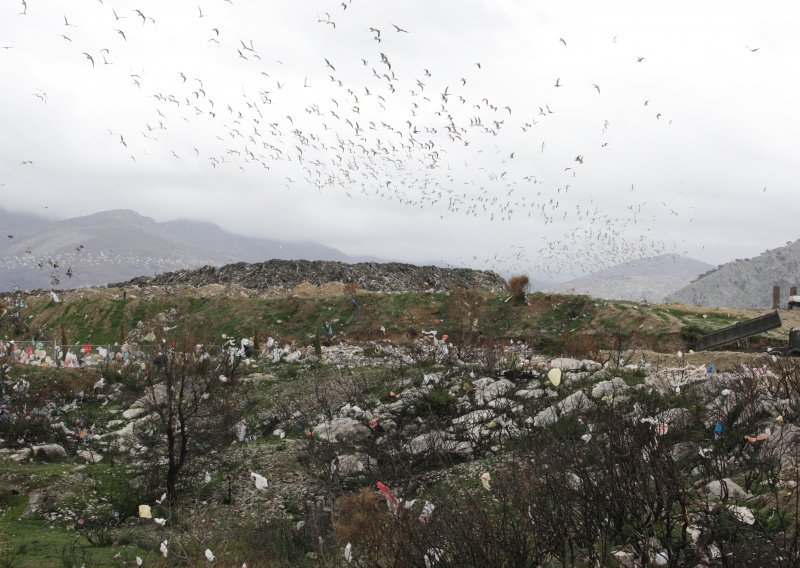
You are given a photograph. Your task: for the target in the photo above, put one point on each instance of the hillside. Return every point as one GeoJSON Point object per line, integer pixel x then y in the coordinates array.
{"type": "Point", "coordinates": [649, 279]}
{"type": "Point", "coordinates": [745, 283]}
{"type": "Point", "coordinates": [437, 428]}
{"type": "Point", "coordinates": [121, 244]}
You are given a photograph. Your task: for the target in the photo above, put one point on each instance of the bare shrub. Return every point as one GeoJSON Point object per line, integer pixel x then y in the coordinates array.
{"type": "Point", "coordinates": [517, 286]}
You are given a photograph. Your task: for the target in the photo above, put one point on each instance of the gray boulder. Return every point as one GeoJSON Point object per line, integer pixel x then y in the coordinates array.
{"type": "Point", "coordinates": [49, 451]}
{"type": "Point", "coordinates": [341, 430]}
{"type": "Point", "coordinates": [609, 388]}
{"type": "Point", "coordinates": [727, 487]}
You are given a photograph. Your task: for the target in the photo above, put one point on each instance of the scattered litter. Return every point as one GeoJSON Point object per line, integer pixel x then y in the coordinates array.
{"type": "Point", "coordinates": [348, 553]}
{"type": "Point", "coordinates": [261, 481]}
{"type": "Point", "coordinates": [391, 500]}
{"type": "Point", "coordinates": [485, 479]}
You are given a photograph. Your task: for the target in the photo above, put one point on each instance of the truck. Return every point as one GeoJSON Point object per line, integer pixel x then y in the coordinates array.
{"type": "Point", "coordinates": [749, 328]}
{"type": "Point", "coordinates": [739, 331]}
{"type": "Point", "coordinates": [792, 349]}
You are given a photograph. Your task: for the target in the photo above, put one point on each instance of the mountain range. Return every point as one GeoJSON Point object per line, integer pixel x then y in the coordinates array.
{"type": "Point", "coordinates": [647, 279]}
{"type": "Point", "coordinates": [36, 252]}
{"type": "Point", "coordinates": [745, 282]}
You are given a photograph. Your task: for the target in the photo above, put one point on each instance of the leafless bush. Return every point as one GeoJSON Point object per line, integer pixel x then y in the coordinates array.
{"type": "Point", "coordinates": [194, 410]}
{"type": "Point", "coordinates": [518, 286]}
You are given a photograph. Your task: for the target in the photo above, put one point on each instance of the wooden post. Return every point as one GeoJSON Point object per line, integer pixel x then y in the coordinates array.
{"type": "Point", "coordinates": [793, 290]}
{"type": "Point", "coordinates": [776, 296]}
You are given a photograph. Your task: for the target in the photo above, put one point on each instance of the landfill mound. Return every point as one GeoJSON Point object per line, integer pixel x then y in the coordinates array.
{"type": "Point", "coordinates": [287, 274]}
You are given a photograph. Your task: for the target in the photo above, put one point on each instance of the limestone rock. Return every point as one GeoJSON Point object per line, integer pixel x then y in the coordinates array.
{"type": "Point", "coordinates": [49, 451]}
{"type": "Point", "coordinates": [733, 489]}
{"type": "Point", "coordinates": [611, 387]}
{"type": "Point", "coordinates": [341, 430]}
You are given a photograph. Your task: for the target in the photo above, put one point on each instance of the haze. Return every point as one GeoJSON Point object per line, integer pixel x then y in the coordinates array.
{"type": "Point", "coordinates": [590, 134]}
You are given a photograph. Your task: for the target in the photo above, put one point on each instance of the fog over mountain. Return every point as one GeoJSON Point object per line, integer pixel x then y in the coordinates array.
{"type": "Point", "coordinates": [648, 279]}
{"type": "Point", "coordinates": [120, 244]}
{"type": "Point", "coordinates": [746, 283]}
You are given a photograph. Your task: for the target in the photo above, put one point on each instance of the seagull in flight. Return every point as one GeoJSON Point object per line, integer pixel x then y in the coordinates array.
{"type": "Point", "coordinates": [90, 58]}
{"type": "Point", "coordinates": [400, 30]}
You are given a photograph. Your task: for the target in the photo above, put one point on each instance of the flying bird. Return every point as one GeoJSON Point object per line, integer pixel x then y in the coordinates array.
{"type": "Point", "coordinates": [400, 30]}
{"type": "Point", "coordinates": [90, 58]}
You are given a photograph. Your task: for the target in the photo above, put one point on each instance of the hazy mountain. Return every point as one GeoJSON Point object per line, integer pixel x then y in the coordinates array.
{"type": "Point", "coordinates": [648, 279]}
{"type": "Point", "coordinates": [746, 283]}
{"type": "Point", "coordinates": [121, 244]}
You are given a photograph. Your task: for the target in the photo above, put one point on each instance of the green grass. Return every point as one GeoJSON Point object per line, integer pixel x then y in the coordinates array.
{"type": "Point", "coordinates": [33, 541]}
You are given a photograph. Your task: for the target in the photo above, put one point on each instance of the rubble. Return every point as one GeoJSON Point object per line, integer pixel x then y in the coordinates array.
{"type": "Point", "coordinates": [289, 274]}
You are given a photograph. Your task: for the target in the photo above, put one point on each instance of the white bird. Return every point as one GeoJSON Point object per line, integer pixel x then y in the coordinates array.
{"type": "Point", "coordinates": [138, 561]}
{"type": "Point", "coordinates": [163, 548]}
{"type": "Point", "coordinates": [207, 478]}
{"type": "Point", "coordinates": [159, 521]}
{"type": "Point", "coordinates": [261, 481]}
{"type": "Point", "coordinates": [209, 555]}
{"type": "Point", "coordinates": [161, 500]}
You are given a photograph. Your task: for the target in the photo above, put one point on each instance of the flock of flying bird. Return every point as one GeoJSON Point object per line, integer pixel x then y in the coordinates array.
{"type": "Point", "coordinates": [404, 136]}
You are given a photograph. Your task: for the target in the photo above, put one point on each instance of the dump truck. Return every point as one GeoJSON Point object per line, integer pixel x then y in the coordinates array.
{"type": "Point", "coordinates": [739, 331]}
{"type": "Point", "coordinates": [792, 349]}
{"type": "Point", "coordinates": [749, 328]}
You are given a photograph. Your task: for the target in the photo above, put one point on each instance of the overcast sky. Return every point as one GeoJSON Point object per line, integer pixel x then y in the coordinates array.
{"type": "Point", "coordinates": [549, 137]}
